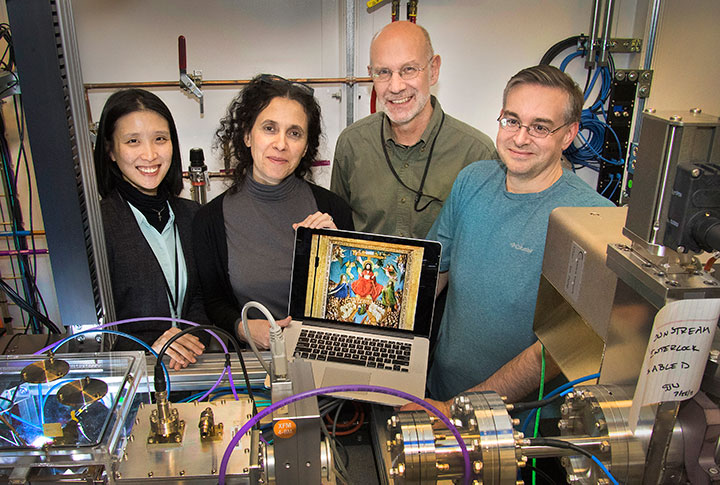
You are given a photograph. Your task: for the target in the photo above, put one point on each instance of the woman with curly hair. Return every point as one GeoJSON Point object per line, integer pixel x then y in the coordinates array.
{"type": "Point", "coordinates": [244, 238]}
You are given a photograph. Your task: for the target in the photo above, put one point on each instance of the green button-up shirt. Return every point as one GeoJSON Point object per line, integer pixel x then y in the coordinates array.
{"type": "Point", "coordinates": [380, 204]}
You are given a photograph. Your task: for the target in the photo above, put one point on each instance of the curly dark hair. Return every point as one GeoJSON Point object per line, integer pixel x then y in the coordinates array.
{"type": "Point", "coordinates": [244, 110]}
{"type": "Point", "coordinates": [119, 104]}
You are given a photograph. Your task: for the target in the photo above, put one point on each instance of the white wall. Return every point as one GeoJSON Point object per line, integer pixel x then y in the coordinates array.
{"type": "Point", "coordinates": [482, 43]}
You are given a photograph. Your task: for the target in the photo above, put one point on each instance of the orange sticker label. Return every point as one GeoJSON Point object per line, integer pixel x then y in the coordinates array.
{"type": "Point", "coordinates": [285, 428]}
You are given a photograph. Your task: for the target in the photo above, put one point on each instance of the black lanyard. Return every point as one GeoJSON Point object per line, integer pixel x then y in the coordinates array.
{"type": "Point", "coordinates": [419, 192]}
{"type": "Point", "coordinates": [174, 310]}
{"type": "Point", "coordinates": [169, 292]}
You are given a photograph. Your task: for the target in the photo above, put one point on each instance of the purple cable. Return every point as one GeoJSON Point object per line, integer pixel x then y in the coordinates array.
{"type": "Point", "coordinates": [217, 383]}
{"type": "Point", "coordinates": [332, 390]}
{"type": "Point", "coordinates": [168, 319]}
{"type": "Point", "coordinates": [148, 319]}
{"type": "Point", "coordinates": [232, 384]}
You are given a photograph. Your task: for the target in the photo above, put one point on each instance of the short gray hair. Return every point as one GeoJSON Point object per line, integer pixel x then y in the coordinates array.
{"type": "Point", "coordinates": [552, 77]}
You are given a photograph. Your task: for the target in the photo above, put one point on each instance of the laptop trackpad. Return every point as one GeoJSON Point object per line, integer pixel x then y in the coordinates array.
{"type": "Point", "coordinates": [339, 377]}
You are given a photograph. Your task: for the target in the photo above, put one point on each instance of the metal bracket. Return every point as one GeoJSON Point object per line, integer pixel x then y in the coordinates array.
{"type": "Point", "coordinates": [617, 46]}
{"type": "Point", "coordinates": [642, 77]}
{"type": "Point", "coordinates": [9, 84]}
{"type": "Point", "coordinates": [625, 46]}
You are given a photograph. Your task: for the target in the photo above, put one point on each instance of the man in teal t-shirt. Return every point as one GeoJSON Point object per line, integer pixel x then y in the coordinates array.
{"type": "Point", "coordinates": [493, 229]}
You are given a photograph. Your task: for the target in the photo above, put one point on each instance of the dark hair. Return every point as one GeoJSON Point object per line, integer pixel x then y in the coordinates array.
{"type": "Point", "coordinates": [119, 104]}
{"type": "Point", "coordinates": [552, 77]}
{"type": "Point", "coordinates": [244, 110]}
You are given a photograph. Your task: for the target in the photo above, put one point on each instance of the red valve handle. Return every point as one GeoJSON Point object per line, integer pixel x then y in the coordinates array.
{"type": "Point", "coordinates": [182, 58]}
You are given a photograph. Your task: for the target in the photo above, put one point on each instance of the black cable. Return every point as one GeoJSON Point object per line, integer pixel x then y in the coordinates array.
{"type": "Point", "coordinates": [3, 150]}
{"type": "Point", "coordinates": [160, 383]}
{"type": "Point", "coordinates": [560, 46]}
{"type": "Point", "coordinates": [7, 346]}
{"type": "Point", "coordinates": [345, 459]}
{"type": "Point", "coordinates": [28, 272]}
{"type": "Point", "coordinates": [20, 124]}
{"type": "Point", "coordinates": [15, 212]}
{"type": "Point", "coordinates": [542, 474]}
{"type": "Point", "coordinates": [335, 444]}
{"type": "Point", "coordinates": [587, 79]}
{"type": "Point", "coordinates": [562, 444]}
{"type": "Point", "coordinates": [524, 406]}
{"type": "Point", "coordinates": [19, 301]}
{"type": "Point", "coordinates": [22, 157]}
{"type": "Point", "coordinates": [337, 417]}
{"type": "Point", "coordinates": [47, 339]}
{"type": "Point", "coordinates": [5, 34]}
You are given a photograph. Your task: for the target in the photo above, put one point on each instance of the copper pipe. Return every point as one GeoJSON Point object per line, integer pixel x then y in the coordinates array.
{"type": "Point", "coordinates": [87, 107]}
{"type": "Point", "coordinates": [224, 83]}
{"type": "Point", "coordinates": [212, 83]}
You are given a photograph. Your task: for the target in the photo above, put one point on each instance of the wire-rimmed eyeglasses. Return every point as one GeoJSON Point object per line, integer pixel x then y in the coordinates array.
{"type": "Point", "coordinates": [408, 72]}
{"type": "Point", "coordinates": [536, 130]}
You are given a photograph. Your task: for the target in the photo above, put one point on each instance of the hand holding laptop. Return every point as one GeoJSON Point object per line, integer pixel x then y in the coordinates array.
{"type": "Point", "coordinates": [260, 331]}
{"type": "Point", "coordinates": [317, 220]}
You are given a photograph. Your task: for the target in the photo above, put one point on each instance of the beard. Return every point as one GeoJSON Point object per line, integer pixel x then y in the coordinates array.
{"type": "Point", "coordinates": [405, 114]}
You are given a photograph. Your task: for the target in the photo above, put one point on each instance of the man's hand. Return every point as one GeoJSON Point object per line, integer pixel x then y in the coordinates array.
{"type": "Point", "coordinates": [317, 220]}
{"type": "Point", "coordinates": [183, 351]}
{"type": "Point", "coordinates": [260, 331]}
{"type": "Point", "coordinates": [443, 406]}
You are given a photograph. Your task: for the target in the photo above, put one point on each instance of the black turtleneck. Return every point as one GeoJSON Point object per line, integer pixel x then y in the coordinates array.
{"type": "Point", "coordinates": [155, 208]}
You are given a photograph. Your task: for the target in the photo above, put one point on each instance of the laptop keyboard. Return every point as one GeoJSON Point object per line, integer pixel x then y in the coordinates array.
{"type": "Point", "coordinates": [353, 349]}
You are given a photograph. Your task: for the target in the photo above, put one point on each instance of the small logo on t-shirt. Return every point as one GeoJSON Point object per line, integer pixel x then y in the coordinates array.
{"type": "Point", "coordinates": [520, 247]}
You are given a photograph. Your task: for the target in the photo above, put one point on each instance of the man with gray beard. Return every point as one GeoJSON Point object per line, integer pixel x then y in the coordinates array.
{"type": "Point", "coordinates": [396, 167]}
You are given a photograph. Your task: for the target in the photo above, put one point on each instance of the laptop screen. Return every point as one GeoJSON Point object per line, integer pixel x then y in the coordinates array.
{"type": "Point", "coordinates": [364, 279]}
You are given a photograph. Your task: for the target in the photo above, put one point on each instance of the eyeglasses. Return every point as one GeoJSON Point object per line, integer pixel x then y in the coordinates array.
{"type": "Point", "coordinates": [536, 130]}
{"type": "Point", "coordinates": [411, 71]}
{"type": "Point", "coordinates": [274, 79]}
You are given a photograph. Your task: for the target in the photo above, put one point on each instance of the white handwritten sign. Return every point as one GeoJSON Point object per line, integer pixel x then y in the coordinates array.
{"type": "Point", "coordinates": [676, 354]}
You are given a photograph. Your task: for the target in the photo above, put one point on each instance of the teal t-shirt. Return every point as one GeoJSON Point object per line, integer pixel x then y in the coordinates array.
{"type": "Point", "coordinates": [493, 244]}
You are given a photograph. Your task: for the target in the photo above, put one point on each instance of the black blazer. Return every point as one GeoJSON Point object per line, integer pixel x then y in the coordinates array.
{"type": "Point", "coordinates": [137, 279]}
{"type": "Point", "coordinates": [211, 253]}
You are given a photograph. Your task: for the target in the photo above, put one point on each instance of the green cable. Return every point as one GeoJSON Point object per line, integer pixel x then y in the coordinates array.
{"type": "Point", "coordinates": [540, 396]}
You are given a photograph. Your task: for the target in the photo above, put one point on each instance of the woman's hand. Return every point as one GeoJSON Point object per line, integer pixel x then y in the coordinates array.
{"type": "Point", "coordinates": [317, 220]}
{"type": "Point", "coordinates": [183, 351]}
{"type": "Point", "coordinates": [260, 331]}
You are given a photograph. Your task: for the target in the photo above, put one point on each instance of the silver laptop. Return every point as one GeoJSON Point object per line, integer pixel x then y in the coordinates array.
{"type": "Point", "coordinates": [362, 308]}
